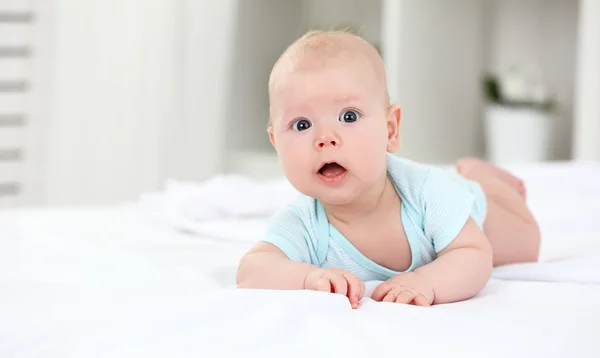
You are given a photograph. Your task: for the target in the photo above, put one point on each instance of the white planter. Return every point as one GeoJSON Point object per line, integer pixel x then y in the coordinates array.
{"type": "Point", "coordinates": [515, 135]}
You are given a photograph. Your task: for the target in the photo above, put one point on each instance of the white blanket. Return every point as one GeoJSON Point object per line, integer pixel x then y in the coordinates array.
{"type": "Point", "coordinates": [229, 199]}
{"type": "Point", "coordinates": [557, 193]}
{"type": "Point", "coordinates": [116, 282]}
{"type": "Point", "coordinates": [506, 318]}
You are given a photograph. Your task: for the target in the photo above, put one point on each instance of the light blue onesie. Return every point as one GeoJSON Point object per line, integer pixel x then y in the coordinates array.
{"type": "Point", "coordinates": [436, 204]}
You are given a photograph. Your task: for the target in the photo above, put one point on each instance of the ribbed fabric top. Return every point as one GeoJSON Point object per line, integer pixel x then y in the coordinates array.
{"type": "Point", "coordinates": [436, 204]}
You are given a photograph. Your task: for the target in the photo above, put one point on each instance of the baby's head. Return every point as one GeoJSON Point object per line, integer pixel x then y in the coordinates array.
{"type": "Point", "coordinates": [329, 104]}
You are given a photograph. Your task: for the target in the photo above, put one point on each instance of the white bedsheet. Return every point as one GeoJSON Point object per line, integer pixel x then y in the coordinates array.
{"type": "Point", "coordinates": [114, 282]}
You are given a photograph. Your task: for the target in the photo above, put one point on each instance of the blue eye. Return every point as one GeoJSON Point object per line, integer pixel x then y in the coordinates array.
{"type": "Point", "coordinates": [349, 116]}
{"type": "Point", "coordinates": [301, 125]}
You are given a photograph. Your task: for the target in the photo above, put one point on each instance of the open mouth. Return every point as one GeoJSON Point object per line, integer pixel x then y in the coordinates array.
{"type": "Point", "coordinates": [332, 171]}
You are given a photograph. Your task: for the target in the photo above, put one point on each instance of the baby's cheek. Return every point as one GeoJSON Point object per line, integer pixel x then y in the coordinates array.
{"type": "Point", "coordinates": [372, 158]}
{"type": "Point", "coordinates": [294, 152]}
{"type": "Point", "coordinates": [299, 176]}
{"type": "Point", "coordinates": [295, 161]}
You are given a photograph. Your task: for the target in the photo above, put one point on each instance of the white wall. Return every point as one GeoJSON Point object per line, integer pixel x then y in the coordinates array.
{"type": "Point", "coordinates": [262, 31]}
{"type": "Point", "coordinates": [113, 91]}
{"type": "Point", "coordinates": [587, 106]}
{"type": "Point", "coordinates": [434, 74]}
{"type": "Point", "coordinates": [364, 14]}
{"type": "Point", "coordinates": [138, 89]}
{"type": "Point", "coordinates": [199, 135]}
{"type": "Point", "coordinates": [543, 33]}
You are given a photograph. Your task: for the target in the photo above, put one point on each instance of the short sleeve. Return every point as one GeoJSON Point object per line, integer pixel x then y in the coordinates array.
{"type": "Point", "coordinates": [288, 232]}
{"type": "Point", "coordinates": [447, 205]}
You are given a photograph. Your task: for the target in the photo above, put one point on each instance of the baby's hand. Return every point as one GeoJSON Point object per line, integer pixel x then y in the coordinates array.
{"type": "Point", "coordinates": [407, 287]}
{"type": "Point", "coordinates": [336, 281]}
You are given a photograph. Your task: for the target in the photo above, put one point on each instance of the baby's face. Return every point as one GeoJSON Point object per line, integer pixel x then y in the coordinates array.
{"type": "Point", "coordinates": [330, 127]}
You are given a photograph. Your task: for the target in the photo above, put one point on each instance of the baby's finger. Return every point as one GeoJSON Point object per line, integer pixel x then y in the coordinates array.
{"type": "Point", "coordinates": [354, 288]}
{"type": "Point", "coordinates": [380, 292]}
{"type": "Point", "coordinates": [405, 296]}
{"type": "Point", "coordinates": [339, 284]}
{"type": "Point", "coordinates": [390, 297]}
{"type": "Point", "coordinates": [420, 300]}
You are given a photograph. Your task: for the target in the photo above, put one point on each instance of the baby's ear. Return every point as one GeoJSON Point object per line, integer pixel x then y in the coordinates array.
{"type": "Point", "coordinates": [271, 136]}
{"type": "Point", "coordinates": [393, 125]}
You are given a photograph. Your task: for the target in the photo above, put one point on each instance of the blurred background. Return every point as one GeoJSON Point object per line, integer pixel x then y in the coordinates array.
{"type": "Point", "coordinates": [103, 100]}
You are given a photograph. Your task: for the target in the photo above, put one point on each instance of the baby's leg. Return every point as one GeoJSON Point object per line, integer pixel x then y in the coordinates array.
{"type": "Point", "coordinates": [509, 225]}
{"type": "Point", "coordinates": [471, 163]}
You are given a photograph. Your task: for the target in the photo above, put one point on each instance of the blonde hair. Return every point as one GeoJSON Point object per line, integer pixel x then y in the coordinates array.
{"type": "Point", "coordinates": [308, 45]}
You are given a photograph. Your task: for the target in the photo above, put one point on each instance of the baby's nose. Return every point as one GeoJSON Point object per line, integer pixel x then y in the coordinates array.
{"type": "Point", "coordinates": [327, 141]}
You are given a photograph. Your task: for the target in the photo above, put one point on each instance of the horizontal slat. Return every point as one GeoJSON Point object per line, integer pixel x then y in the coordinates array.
{"type": "Point", "coordinates": [14, 68]}
{"type": "Point", "coordinates": [15, 17]}
{"type": "Point", "coordinates": [10, 194]}
{"type": "Point", "coordinates": [12, 120]}
{"type": "Point", "coordinates": [14, 51]}
{"type": "Point", "coordinates": [9, 86]}
{"type": "Point", "coordinates": [12, 137]}
{"type": "Point", "coordinates": [13, 102]}
{"type": "Point", "coordinates": [11, 154]}
{"type": "Point", "coordinates": [12, 172]}
{"type": "Point", "coordinates": [10, 188]}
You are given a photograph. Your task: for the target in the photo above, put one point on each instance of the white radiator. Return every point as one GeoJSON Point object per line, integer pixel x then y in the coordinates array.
{"type": "Point", "coordinates": [16, 20]}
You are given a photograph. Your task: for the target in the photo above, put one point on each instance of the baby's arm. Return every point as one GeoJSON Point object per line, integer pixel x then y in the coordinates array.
{"type": "Point", "coordinates": [267, 267]}
{"type": "Point", "coordinates": [462, 268]}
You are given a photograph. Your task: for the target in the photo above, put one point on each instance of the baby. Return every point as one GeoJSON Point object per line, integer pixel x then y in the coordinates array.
{"type": "Point", "coordinates": [430, 235]}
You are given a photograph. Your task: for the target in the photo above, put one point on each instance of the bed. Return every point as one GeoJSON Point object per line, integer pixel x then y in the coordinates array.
{"type": "Point", "coordinates": [153, 278]}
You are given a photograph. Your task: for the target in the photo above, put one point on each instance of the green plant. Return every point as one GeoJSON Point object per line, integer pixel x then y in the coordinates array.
{"type": "Point", "coordinates": [493, 93]}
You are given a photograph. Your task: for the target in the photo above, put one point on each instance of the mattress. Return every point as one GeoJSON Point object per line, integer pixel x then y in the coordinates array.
{"type": "Point", "coordinates": [118, 282]}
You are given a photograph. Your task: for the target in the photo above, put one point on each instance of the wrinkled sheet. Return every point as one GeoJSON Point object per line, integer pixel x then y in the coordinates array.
{"type": "Point", "coordinates": [117, 282]}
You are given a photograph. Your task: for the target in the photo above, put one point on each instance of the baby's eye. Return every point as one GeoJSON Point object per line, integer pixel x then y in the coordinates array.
{"type": "Point", "coordinates": [349, 116]}
{"type": "Point", "coordinates": [301, 125]}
